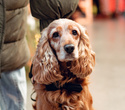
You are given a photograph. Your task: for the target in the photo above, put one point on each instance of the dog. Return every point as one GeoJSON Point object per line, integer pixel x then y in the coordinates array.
{"type": "Point", "coordinates": [61, 67]}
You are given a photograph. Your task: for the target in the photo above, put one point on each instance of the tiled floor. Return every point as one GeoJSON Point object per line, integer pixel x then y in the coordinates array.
{"type": "Point", "coordinates": [108, 79]}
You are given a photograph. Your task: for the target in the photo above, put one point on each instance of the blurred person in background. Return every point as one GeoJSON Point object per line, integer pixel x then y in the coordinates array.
{"type": "Point", "coordinates": [14, 51]}
{"type": "Point", "coordinates": [83, 13]}
{"type": "Point", "coordinates": [109, 8]}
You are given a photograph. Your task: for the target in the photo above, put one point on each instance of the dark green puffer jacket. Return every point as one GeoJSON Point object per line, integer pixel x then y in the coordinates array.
{"type": "Point", "coordinates": [49, 10]}
{"type": "Point", "coordinates": [14, 51]}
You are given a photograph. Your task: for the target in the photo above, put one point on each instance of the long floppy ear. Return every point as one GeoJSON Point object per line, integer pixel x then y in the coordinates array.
{"type": "Point", "coordinates": [45, 65]}
{"type": "Point", "coordinates": [86, 61]}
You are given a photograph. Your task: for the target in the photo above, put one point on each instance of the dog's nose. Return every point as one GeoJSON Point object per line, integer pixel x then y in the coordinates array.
{"type": "Point", "coordinates": [69, 48]}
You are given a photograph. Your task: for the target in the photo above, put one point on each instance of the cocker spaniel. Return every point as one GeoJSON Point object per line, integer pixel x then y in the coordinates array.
{"type": "Point", "coordinates": [61, 65]}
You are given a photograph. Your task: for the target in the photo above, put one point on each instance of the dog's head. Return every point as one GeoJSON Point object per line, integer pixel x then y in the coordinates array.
{"type": "Point", "coordinates": [63, 40]}
{"type": "Point", "coordinates": [64, 37]}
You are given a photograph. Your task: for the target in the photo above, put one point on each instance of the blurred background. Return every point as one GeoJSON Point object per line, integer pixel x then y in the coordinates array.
{"type": "Point", "coordinates": [105, 22]}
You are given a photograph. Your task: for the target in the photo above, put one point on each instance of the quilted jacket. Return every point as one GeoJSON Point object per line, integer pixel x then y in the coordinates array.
{"type": "Point", "coordinates": [14, 51]}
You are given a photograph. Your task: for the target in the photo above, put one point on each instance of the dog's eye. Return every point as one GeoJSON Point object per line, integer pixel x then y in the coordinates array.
{"type": "Point", "coordinates": [74, 32]}
{"type": "Point", "coordinates": [55, 35]}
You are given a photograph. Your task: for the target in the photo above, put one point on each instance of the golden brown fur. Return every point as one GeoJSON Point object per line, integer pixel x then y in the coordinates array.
{"type": "Point", "coordinates": [52, 64]}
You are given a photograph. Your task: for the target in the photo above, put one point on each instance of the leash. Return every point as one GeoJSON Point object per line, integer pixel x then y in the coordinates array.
{"type": "Point", "coordinates": [32, 95]}
{"type": "Point", "coordinates": [30, 76]}
{"type": "Point", "coordinates": [30, 73]}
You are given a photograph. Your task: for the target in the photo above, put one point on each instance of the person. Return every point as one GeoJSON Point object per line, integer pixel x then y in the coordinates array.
{"type": "Point", "coordinates": [48, 10]}
{"type": "Point", "coordinates": [14, 51]}
{"type": "Point", "coordinates": [14, 54]}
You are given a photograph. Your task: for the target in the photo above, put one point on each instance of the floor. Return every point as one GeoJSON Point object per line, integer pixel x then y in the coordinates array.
{"type": "Point", "coordinates": [108, 78]}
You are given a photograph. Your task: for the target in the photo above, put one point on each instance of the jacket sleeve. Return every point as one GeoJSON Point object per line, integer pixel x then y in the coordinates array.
{"type": "Point", "coordinates": [49, 10]}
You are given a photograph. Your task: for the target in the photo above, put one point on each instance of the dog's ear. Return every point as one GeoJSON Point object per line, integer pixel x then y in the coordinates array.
{"type": "Point", "coordinates": [86, 61]}
{"type": "Point", "coordinates": [45, 65]}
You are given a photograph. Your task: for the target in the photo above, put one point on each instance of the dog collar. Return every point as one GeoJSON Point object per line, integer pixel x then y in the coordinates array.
{"type": "Point", "coordinates": [69, 87]}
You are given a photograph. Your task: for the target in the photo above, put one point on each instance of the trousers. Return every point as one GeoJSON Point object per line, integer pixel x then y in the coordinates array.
{"type": "Point", "coordinates": [13, 90]}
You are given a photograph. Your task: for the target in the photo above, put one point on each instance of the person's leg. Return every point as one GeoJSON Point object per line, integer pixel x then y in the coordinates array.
{"type": "Point", "coordinates": [13, 90]}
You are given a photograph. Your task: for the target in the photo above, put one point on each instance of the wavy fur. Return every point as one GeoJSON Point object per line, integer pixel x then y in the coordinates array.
{"type": "Point", "coordinates": [49, 67]}
{"type": "Point", "coordinates": [86, 61]}
{"type": "Point", "coordinates": [45, 65]}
